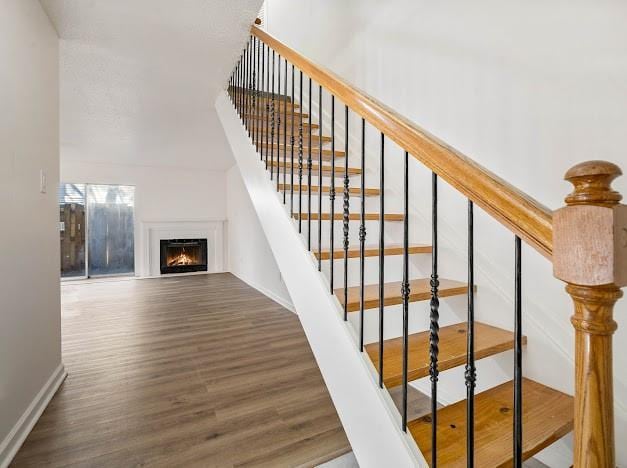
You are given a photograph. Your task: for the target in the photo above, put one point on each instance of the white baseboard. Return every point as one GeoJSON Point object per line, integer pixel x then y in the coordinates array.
{"type": "Point", "coordinates": [14, 440]}
{"type": "Point", "coordinates": [266, 292]}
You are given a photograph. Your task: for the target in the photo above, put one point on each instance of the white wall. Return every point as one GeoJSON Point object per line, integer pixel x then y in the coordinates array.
{"type": "Point", "coordinates": [30, 329]}
{"type": "Point", "coordinates": [161, 193]}
{"type": "Point", "coordinates": [250, 257]}
{"type": "Point", "coordinates": [527, 90]}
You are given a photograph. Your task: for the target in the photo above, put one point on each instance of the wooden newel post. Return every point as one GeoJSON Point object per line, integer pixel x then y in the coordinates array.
{"type": "Point", "coordinates": [590, 255]}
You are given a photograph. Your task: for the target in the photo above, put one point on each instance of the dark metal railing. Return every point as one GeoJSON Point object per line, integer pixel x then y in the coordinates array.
{"type": "Point", "coordinates": [346, 213]}
{"type": "Point", "coordinates": [518, 447]}
{"type": "Point", "coordinates": [434, 329]}
{"type": "Point", "coordinates": [381, 254]}
{"type": "Point", "coordinates": [470, 374]}
{"type": "Point", "coordinates": [263, 109]}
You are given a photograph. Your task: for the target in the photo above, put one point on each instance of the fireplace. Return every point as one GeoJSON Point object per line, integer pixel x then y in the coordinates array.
{"type": "Point", "coordinates": [183, 255]}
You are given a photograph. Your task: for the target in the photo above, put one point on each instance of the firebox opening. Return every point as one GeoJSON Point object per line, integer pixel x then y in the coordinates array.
{"type": "Point", "coordinates": [183, 255]}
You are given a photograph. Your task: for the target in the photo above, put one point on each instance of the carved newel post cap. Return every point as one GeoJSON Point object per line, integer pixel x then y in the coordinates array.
{"type": "Point", "coordinates": [590, 233]}
{"type": "Point", "coordinates": [592, 181]}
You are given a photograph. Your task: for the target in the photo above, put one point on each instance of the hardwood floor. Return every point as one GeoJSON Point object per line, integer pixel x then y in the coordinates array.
{"type": "Point", "coordinates": [189, 371]}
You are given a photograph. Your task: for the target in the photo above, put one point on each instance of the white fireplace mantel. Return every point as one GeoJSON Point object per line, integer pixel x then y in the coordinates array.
{"type": "Point", "coordinates": [153, 232]}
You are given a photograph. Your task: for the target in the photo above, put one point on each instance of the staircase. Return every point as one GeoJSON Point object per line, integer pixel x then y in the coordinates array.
{"type": "Point", "coordinates": [311, 168]}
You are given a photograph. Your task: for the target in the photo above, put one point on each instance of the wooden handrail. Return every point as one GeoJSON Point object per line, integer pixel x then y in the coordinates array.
{"type": "Point", "coordinates": [520, 213]}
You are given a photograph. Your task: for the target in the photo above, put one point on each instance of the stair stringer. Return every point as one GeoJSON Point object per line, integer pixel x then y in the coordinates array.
{"type": "Point", "coordinates": [373, 430]}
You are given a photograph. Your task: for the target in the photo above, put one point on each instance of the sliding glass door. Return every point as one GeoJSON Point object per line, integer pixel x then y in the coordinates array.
{"type": "Point", "coordinates": [72, 226]}
{"type": "Point", "coordinates": [110, 229]}
{"type": "Point", "coordinates": [102, 243]}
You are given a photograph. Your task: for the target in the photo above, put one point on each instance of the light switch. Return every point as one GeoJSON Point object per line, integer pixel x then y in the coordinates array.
{"type": "Point", "coordinates": [42, 181]}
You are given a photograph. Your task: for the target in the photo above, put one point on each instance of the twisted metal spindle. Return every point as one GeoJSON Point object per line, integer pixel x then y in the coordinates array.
{"type": "Point", "coordinates": [272, 122]}
{"type": "Point", "coordinates": [332, 194]}
{"type": "Point", "coordinates": [292, 151]}
{"type": "Point", "coordinates": [434, 328]}
{"type": "Point", "coordinates": [285, 135]}
{"type": "Point", "coordinates": [470, 373]}
{"type": "Point", "coordinates": [319, 177]}
{"type": "Point", "coordinates": [300, 156]}
{"type": "Point", "coordinates": [308, 172]}
{"type": "Point", "coordinates": [362, 236]}
{"type": "Point", "coordinates": [346, 214]}
{"type": "Point", "coordinates": [278, 128]}
{"type": "Point", "coordinates": [405, 290]}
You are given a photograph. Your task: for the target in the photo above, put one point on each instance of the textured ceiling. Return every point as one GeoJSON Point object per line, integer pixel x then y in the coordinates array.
{"type": "Point", "coordinates": [139, 78]}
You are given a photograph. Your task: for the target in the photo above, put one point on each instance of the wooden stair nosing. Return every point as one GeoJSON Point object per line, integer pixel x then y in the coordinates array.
{"type": "Point", "coordinates": [353, 191]}
{"type": "Point", "coordinates": [351, 217]}
{"type": "Point", "coordinates": [373, 251]}
{"type": "Point", "coordinates": [489, 341]}
{"type": "Point", "coordinates": [420, 290]}
{"type": "Point", "coordinates": [547, 417]}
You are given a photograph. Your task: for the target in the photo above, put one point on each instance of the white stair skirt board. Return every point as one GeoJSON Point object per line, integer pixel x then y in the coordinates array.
{"type": "Point", "coordinates": [14, 440]}
{"type": "Point", "coordinates": [372, 428]}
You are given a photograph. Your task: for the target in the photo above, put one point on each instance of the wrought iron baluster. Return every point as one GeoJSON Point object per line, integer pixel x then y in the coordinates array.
{"type": "Point", "coordinates": [405, 290]}
{"type": "Point", "coordinates": [256, 109]}
{"type": "Point", "coordinates": [381, 254]}
{"type": "Point", "coordinates": [239, 87]}
{"type": "Point", "coordinates": [266, 99]}
{"type": "Point", "coordinates": [518, 450]}
{"type": "Point", "coordinates": [235, 92]}
{"type": "Point", "coordinates": [346, 213]}
{"type": "Point", "coordinates": [251, 72]}
{"type": "Point", "coordinates": [245, 88]}
{"type": "Point", "coordinates": [362, 235]}
{"type": "Point", "coordinates": [236, 88]}
{"type": "Point", "coordinates": [470, 371]}
{"type": "Point", "coordinates": [300, 155]}
{"type": "Point", "coordinates": [319, 177]}
{"type": "Point", "coordinates": [285, 135]}
{"type": "Point", "coordinates": [332, 194]}
{"type": "Point", "coordinates": [272, 122]}
{"type": "Point", "coordinates": [244, 73]}
{"type": "Point", "coordinates": [278, 127]}
{"type": "Point", "coordinates": [261, 104]}
{"type": "Point", "coordinates": [253, 92]}
{"type": "Point", "coordinates": [292, 152]}
{"type": "Point", "coordinates": [434, 329]}
{"type": "Point", "coordinates": [308, 172]}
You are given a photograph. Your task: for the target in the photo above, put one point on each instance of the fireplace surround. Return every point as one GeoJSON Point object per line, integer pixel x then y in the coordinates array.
{"type": "Point", "coordinates": [183, 255]}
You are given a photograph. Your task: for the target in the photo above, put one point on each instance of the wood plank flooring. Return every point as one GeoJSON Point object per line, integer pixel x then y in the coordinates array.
{"type": "Point", "coordinates": [189, 371]}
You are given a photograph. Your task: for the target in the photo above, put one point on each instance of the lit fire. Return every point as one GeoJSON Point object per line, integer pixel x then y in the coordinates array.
{"type": "Point", "coordinates": [181, 259]}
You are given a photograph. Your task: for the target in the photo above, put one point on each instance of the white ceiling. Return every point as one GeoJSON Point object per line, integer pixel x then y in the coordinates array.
{"type": "Point", "coordinates": [139, 78]}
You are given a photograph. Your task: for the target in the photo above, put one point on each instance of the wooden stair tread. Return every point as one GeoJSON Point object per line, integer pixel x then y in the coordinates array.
{"type": "Point", "coordinates": [489, 340]}
{"type": "Point", "coordinates": [547, 417]}
{"type": "Point", "coordinates": [263, 116]}
{"type": "Point", "coordinates": [351, 216]}
{"type": "Point", "coordinates": [339, 170]}
{"type": "Point", "coordinates": [306, 125]}
{"type": "Point", "coordinates": [373, 251]}
{"type": "Point", "coordinates": [420, 290]}
{"type": "Point", "coordinates": [354, 191]}
{"type": "Point", "coordinates": [263, 94]}
{"type": "Point", "coordinates": [314, 150]}
{"type": "Point", "coordinates": [278, 139]}
{"type": "Point", "coordinates": [279, 131]}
